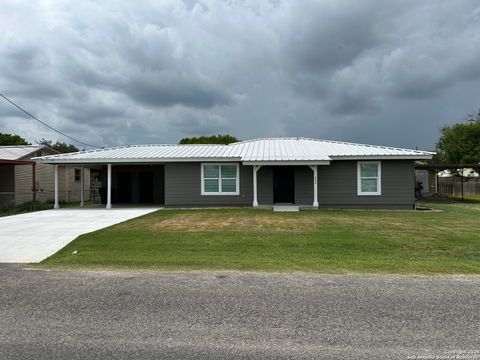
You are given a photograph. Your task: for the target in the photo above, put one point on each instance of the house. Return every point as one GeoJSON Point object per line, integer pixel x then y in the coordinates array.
{"type": "Point", "coordinates": [306, 172]}
{"type": "Point", "coordinates": [23, 179]}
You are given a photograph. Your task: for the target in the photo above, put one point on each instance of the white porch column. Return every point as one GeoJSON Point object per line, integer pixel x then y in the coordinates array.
{"type": "Point", "coordinates": [56, 204]}
{"type": "Point", "coordinates": [315, 184]}
{"type": "Point", "coordinates": [255, 169]}
{"type": "Point", "coordinates": [82, 174]}
{"type": "Point", "coordinates": [109, 186]}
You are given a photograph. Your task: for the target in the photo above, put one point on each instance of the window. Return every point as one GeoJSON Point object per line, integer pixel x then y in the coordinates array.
{"type": "Point", "coordinates": [369, 178]}
{"type": "Point", "coordinates": [78, 174]}
{"type": "Point", "coordinates": [220, 179]}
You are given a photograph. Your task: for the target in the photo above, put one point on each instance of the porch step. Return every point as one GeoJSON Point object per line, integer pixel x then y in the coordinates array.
{"type": "Point", "coordinates": [285, 208]}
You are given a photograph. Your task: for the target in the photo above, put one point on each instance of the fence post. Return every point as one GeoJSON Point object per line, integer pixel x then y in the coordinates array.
{"type": "Point", "coordinates": [462, 182]}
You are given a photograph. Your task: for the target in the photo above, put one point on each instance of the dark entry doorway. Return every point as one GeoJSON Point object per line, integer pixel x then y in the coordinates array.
{"type": "Point", "coordinates": [124, 185]}
{"type": "Point", "coordinates": [284, 184]}
{"type": "Point", "coordinates": [145, 187]}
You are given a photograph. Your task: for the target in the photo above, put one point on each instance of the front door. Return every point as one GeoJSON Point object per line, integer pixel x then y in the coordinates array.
{"type": "Point", "coordinates": [145, 180]}
{"type": "Point", "coordinates": [284, 184]}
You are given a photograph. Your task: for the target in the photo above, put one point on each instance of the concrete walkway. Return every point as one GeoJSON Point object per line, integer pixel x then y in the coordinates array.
{"type": "Point", "coordinates": [32, 237]}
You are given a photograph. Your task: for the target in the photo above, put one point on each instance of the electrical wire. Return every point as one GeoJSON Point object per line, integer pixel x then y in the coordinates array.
{"type": "Point", "coordinates": [45, 124]}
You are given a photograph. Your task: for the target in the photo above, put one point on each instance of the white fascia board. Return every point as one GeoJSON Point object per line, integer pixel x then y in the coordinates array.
{"type": "Point", "coordinates": [133, 161]}
{"type": "Point", "coordinates": [293, 162]}
{"type": "Point", "coordinates": [383, 157]}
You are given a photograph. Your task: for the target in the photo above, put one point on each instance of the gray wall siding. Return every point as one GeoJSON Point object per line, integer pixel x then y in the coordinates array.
{"type": "Point", "coordinates": [183, 187]}
{"type": "Point", "coordinates": [303, 185]}
{"type": "Point", "coordinates": [337, 185]}
{"type": "Point", "coordinates": [265, 185]}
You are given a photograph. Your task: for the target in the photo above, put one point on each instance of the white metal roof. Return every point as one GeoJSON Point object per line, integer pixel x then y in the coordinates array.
{"type": "Point", "coordinates": [268, 150]}
{"type": "Point", "coordinates": [17, 152]}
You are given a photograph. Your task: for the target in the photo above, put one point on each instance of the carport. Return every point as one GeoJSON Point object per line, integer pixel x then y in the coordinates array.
{"type": "Point", "coordinates": [122, 183]}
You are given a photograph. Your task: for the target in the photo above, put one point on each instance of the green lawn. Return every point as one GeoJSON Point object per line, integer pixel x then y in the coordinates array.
{"type": "Point", "coordinates": [403, 242]}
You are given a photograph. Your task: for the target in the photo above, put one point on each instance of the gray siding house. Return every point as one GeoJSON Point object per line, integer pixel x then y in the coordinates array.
{"type": "Point", "coordinates": [262, 172]}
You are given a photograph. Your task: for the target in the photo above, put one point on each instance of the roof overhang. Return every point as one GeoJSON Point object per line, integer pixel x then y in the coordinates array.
{"type": "Point", "coordinates": [384, 157]}
{"type": "Point", "coordinates": [52, 160]}
{"type": "Point", "coordinates": [16, 162]}
{"type": "Point", "coordinates": [292, 162]}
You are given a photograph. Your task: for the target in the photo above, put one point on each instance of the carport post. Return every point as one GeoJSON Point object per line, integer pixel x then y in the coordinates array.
{"type": "Point", "coordinates": [109, 186]}
{"type": "Point", "coordinates": [82, 173]}
{"type": "Point", "coordinates": [56, 205]}
{"type": "Point", "coordinates": [315, 184]}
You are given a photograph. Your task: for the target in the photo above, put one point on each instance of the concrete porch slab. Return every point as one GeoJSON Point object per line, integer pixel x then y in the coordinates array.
{"type": "Point", "coordinates": [286, 208]}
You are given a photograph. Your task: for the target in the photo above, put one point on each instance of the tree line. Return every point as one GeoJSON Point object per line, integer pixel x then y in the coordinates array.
{"type": "Point", "coordinates": [460, 143]}
{"type": "Point", "coordinates": [14, 139]}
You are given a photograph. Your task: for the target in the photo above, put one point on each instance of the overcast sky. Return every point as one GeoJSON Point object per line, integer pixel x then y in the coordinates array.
{"type": "Point", "coordinates": [115, 73]}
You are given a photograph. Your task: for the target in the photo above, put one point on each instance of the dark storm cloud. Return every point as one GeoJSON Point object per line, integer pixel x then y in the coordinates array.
{"type": "Point", "coordinates": [148, 71]}
{"type": "Point", "coordinates": [355, 56]}
{"type": "Point", "coordinates": [329, 36]}
{"type": "Point", "coordinates": [161, 92]}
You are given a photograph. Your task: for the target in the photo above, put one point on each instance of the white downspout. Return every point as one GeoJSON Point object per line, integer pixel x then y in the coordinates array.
{"type": "Point", "coordinates": [109, 186]}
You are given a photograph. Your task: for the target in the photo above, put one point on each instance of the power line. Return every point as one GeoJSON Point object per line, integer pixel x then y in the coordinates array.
{"type": "Point", "coordinates": [43, 123]}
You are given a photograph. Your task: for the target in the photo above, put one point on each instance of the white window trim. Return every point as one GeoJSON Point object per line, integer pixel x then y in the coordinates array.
{"type": "Point", "coordinates": [359, 179]}
{"type": "Point", "coordinates": [220, 192]}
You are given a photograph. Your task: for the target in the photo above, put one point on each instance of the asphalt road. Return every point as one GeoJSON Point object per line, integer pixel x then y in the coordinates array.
{"type": "Point", "coordinates": [120, 315]}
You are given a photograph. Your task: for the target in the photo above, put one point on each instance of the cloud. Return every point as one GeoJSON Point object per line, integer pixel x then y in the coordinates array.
{"type": "Point", "coordinates": [147, 71]}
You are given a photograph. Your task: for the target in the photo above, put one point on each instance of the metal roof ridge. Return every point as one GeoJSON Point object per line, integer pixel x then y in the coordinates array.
{"type": "Point", "coordinates": [333, 142]}
{"type": "Point", "coordinates": [266, 138]}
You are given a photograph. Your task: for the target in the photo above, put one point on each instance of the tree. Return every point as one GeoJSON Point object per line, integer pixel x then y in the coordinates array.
{"type": "Point", "coordinates": [12, 139]}
{"type": "Point", "coordinates": [460, 143]}
{"type": "Point", "coordinates": [212, 139]}
{"type": "Point", "coordinates": [61, 147]}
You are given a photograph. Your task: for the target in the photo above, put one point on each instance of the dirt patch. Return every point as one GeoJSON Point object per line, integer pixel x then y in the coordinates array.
{"type": "Point", "coordinates": [303, 222]}
{"type": "Point", "coordinates": [201, 221]}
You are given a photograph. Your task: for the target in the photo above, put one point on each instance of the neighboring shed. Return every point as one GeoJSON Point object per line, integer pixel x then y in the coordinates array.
{"type": "Point", "coordinates": [23, 179]}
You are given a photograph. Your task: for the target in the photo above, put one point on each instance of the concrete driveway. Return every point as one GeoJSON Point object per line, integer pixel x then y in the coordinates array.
{"type": "Point", "coordinates": [32, 237]}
